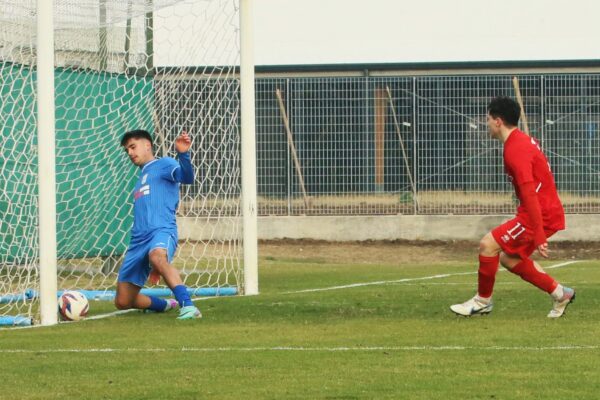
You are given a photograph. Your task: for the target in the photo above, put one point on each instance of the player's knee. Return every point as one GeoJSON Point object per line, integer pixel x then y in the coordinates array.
{"type": "Point", "coordinates": [483, 244]}
{"type": "Point", "coordinates": [122, 304]}
{"type": "Point", "coordinates": [507, 261]}
{"type": "Point", "coordinates": [488, 245]}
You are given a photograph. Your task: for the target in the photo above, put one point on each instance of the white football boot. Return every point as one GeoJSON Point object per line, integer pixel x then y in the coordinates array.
{"type": "Point", "coordinates": [560, 305]}
{"type": "Point", "coordinates": [474, 306]}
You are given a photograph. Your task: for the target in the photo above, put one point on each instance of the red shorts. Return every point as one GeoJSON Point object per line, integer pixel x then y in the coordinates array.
{"type": "Point", "coordinates": [516, 239]}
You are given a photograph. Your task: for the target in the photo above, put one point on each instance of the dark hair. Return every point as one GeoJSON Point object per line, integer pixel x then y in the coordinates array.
{"type": "Point", "coordinates": [505, 108]}
{"type": "Point", "coordinates": [138, 134]}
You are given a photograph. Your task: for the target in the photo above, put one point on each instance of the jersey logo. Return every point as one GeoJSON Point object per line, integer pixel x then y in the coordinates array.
{"type": "Point", "coordinates": [142, 191]}
{"type": "Point", "coordinates": [144, 179]}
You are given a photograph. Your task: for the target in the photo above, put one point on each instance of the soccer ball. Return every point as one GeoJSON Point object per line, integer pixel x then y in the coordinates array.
{"type": "Point", "coordinates": [73, 306]}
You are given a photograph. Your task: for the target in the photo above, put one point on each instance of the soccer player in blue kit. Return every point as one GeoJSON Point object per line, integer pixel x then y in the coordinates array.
{"type": "Point", "coordinates": [154, 232]}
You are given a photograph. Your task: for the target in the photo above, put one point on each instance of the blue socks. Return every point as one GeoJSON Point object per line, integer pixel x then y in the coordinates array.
{"type": "Point", "coordinates": [181, 294]}
{"type": "Point", "coordinates": [157, 304]}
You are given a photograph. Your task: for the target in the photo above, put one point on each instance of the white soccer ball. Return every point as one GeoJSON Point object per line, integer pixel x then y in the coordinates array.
{"type": "Point", "coordinates": [73, 305]}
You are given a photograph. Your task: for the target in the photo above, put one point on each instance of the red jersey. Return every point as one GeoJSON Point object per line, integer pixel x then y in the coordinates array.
{"type": "Point", "coordinates": [524, 162]}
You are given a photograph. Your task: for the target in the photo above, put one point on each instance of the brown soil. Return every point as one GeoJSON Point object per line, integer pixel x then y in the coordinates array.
{"type": "Point", "coordinates": [401, 251]}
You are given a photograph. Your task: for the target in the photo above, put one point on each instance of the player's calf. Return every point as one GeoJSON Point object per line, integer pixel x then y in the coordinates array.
{"type": "Point", "coordinates": [122, 303]}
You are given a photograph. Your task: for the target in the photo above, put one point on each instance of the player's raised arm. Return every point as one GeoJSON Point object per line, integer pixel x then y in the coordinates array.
{"type": "Point", "coordinates": [185, 172]}
{"type": "Point", "coordinates": [183, 143]}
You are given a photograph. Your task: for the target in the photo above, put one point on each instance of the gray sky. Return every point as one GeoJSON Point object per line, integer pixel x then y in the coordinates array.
{"type": "Point", "coordinates": [373, 31]}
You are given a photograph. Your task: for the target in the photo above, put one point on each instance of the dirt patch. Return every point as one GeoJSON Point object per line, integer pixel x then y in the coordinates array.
{"type": "Point", "coordinates": [401, 251]}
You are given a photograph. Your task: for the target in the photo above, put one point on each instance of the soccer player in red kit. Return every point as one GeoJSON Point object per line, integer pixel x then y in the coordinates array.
{"type": "Point", "coordinates": [539, 215]}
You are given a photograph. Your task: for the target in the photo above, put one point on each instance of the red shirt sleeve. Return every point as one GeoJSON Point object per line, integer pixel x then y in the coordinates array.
{"type": "Point", "coordinates": [530, 202]}
{"type": "Point", "coordinates": [520, 166]}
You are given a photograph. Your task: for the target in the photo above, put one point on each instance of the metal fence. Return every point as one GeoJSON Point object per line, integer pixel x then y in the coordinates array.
{"type": "Point", "coordinates": [417, 145]}
{"type": "Point", "coordinates": [384, 145]}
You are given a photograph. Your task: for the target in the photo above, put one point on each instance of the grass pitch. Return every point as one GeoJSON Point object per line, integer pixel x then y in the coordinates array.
{"type": "Point", "coordinates": [392, 337]}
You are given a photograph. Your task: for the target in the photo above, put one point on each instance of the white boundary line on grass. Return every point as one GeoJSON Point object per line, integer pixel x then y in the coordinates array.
{"type": "Point", "coordinates": [423, 278]}
{"type": "Point", "coordinates": [111, 314]}
{"type": "Point", "coordinates": [302, 349]}
{"type": "Point", "coordinates": [99, 316]}
{"type": "Point", "coordinates": [439, 276]}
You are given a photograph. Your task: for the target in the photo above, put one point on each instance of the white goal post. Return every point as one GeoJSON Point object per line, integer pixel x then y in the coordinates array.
{"type": "Point", "coordinates": [74, 77]}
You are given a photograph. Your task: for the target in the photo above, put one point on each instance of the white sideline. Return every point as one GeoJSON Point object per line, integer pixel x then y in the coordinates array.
{"type": "Point", "coordinates": [102, 316]}
{"type": "Point", "coordinates": [424, 278]}
{"type": "Point", "coordinates": [99, 316]}
{"type": "Point", "coordinates": [300, 349]}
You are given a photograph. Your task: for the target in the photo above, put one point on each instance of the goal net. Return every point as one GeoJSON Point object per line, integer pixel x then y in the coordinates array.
{"type": "Point", "coordinates": [161, 65]}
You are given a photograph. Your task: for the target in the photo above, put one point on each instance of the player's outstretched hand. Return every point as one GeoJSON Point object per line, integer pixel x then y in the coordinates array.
{"type": "Point", "coordinates": [183, 142]}
{"type": "Point", "coordinates": [543, 250]}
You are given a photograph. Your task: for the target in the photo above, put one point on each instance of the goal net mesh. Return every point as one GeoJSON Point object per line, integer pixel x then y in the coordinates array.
{"type": "Point", "coordinates": [165, 66]}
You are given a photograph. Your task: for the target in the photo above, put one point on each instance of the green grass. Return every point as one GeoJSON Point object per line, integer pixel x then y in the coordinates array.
{"type": "Point", "coordinates": [386, 341]}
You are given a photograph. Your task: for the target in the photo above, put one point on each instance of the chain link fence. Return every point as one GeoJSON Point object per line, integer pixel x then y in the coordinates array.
{"type": "Point", "coordinates": [417, 144]}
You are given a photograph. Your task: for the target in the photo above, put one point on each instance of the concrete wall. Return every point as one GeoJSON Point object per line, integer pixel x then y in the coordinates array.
{"type": "Point", "coordinates": [584, 227]}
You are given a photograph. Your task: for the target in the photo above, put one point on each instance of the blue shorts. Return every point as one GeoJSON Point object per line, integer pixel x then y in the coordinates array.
{"type": "Point", "coordinates": [136, 264]}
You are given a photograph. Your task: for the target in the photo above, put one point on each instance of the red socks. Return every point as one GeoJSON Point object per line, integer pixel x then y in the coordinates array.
{"type": "Point", "coordinates": [528, 272]}
{"type": "Point", "coordinates": [488, 266]}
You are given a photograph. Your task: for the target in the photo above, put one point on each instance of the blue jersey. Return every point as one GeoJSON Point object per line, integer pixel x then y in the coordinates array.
{"type": "Point", "coordinates": [156, 195]}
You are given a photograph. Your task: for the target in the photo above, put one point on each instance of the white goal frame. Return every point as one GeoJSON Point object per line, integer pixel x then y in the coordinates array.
{"type": "Point", "coordinates": [46, 154]}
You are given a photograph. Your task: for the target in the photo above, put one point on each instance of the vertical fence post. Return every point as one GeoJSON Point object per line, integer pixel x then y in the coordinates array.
{"type": "Point", "coordinates": [289, 155]}
{"type": "Point", "coordinates": [369, 166]}
{"type": "Point", "coordinates": [379, 119]}
{"type": "Point", "coordinates": [542, 110]}
{"type": "Point", "coordinates": [415, 145]}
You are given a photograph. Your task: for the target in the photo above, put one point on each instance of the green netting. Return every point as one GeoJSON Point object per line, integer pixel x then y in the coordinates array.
{"type": "Point", "coordinates": [93, 176]}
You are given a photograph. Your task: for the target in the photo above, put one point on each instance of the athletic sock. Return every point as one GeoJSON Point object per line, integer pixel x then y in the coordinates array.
{"type": "Point", "coordinates": [558, 293]}
{"type": "Point", "coordinates": [157, 304]}
{"type": "Point", "coordinates": [181, 294]}
{"type": "Point", "coordinates": [488, 266]}
{"type": "Point", "coordinates": [528, 272]}
{"type": "Point", "coordinates": [483, 300]}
